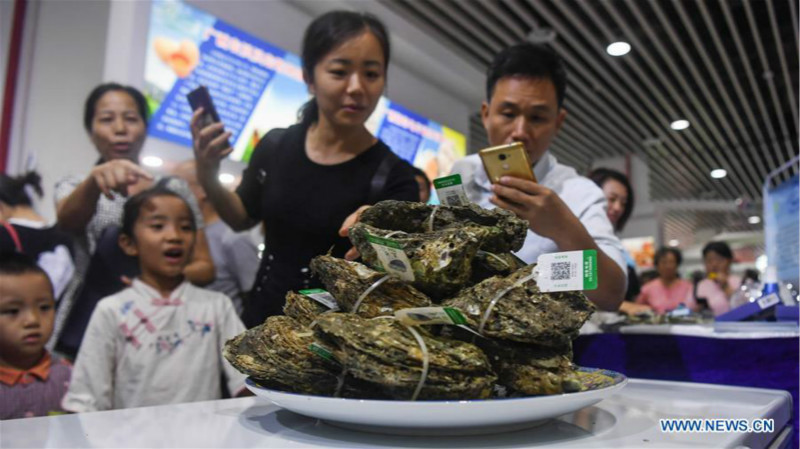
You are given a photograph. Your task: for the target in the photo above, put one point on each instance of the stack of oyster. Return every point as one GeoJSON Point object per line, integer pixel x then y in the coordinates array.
{"type": "Point", "coordinates": [460, 257]}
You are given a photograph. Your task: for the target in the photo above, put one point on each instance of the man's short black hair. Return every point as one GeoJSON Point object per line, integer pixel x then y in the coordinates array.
{"type": "Point", "coordinates": [528, 60]}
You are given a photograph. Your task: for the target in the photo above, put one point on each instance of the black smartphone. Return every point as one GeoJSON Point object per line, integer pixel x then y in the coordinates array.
{"type": "Point", "coordinates": [200, 98]}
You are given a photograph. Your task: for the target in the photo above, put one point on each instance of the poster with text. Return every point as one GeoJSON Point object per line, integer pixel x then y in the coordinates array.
{"type": "Point", "coordinates": [257, 87]}
{"type": "Point", "coordinates": [781, 225]}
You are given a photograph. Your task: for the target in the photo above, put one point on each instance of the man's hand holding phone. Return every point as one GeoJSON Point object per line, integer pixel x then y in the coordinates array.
{"type": "Point", "coordinates": [546, 212]}
{"type": "Point", "coordinates": [516, 189]}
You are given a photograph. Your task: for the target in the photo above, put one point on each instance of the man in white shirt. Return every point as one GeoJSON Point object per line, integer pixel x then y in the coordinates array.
{"type": "Point", "coordinates": [526, 84]}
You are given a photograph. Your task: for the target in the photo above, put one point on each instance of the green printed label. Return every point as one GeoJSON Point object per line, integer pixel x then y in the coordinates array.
{"type": "Point", "coordinates": [447, 181]}
{"type": "Point", "coordinates": [321, 296]}
{"type": "Point", "coordinates": [455, 315]}
{"type": "Point", "coordinates": [312, 291]}
{"type": "Point", "coordinates": [590, 269]}
{"type": "Point", "coordinates": [321, 351]}
{"type": "Point", "coordinates": [382, 241]}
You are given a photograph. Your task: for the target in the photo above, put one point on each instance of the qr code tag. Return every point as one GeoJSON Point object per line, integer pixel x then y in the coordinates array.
{"type": "Point", "coordinates": [768, 301]}
{"type": "Point", "coordinates": [570, 270]}
{"type": "Point", "coordinates": [451, 191]}
{"type": "Point", "coordinates": [322, 297]}
{"type": "Point", "coordinates": [392, 257]}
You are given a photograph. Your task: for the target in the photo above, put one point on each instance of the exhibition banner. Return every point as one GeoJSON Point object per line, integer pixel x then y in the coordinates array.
{"type": "Point", "coordinates": [257, 87]}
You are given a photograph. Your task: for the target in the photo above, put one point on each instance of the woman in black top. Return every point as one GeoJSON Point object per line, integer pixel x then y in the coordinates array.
{"type": "Point", "coordinates": [309, 183]}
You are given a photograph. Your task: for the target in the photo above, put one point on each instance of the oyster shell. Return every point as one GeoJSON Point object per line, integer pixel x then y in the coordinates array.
{"type": "Point", "coordinates": [346, 281]}
{"type": "Point", "coordinates": [441, 261]}
{"type": "Point", "coordinates": [302, 308]}
{"type": "Point", "coordinates": [505, 233]}
{"type": "Point", "coordinates": [486, 265]}
{"type": "Point", "coordinates": [384, 352]}
{"type": "Point", "coordinates": [276, 354]}
{"type": "Point", "coordinates": [531, 369]}
{"type": "Point", "coordinates": [524, 313]}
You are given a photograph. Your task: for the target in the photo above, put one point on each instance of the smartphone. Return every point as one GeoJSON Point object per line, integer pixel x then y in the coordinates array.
{"type": "Point", "coordinates": [200, 98]}
{"type": "Point", "coordinates": [507, 160]}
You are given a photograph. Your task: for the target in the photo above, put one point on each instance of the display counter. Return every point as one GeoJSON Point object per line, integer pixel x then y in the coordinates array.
{"type": "Point", "coordinates": [629, 418]}
{"type": "Point", "coordinates": [763, 355]}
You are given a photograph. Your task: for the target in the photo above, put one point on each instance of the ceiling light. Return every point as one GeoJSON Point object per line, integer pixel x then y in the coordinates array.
{"type": "Point", "coordinates": [719, 173]}
{"type": "Point", "coordinates": [674, 242]}
{"type": "Point", "coordinates": [678, 125]}
{"type": "Point", "coordinates": [226, 178]}
{"type": "Point", "coordinates": [618, 48]}
{"type": "Point", "coordinates": [152, 161]}
{"type": "Point", "coordinates": [755, 219]}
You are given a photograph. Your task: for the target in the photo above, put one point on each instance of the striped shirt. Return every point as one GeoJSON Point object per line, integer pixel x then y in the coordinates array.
{"type": "Point", "coordinates": [34, 392]}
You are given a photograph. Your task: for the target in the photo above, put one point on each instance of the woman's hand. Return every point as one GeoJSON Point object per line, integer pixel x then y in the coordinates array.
{"type": "Point", "coordinates": [211, 144]}
{"type": "Point", "coordinates": [632, 309]}
{"type": "Point", "coordinates": [116, 175]}
{"type": "Point", "coordinates": [344, 230]}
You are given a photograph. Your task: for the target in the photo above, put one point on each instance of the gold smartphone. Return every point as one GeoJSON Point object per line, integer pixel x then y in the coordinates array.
{"type": "Point", "coordinates": [507, 160]}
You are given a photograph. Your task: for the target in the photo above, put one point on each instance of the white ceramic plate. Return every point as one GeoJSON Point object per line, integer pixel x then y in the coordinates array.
{"type": "Point", "coordinates": [447, 417]}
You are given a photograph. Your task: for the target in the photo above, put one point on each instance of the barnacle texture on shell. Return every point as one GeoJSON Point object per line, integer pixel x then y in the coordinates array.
{"type": "Point", "coordinates": [385, 353]}
{"type": "Point", "coordinates": [531, 369]}
{"type": "Point", "coordinates": [441, 261]}
{"type": "Point", "coordinates": [486, 265]}
{"type": "Point", "coordinates": [505, 231]}
{"type": "Point", "coordinates": [302, 308]}
{"type": "Point", "coordinates": [524, 313]}
{"type": "Point", "coordinates": [276, 354]}
{"type": "Point", "coordinates": [346, 281]}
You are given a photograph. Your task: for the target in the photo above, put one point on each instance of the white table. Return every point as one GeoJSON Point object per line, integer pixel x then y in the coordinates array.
{"type": "Point", "coordinates": [721, 330]}
{"type": "Point", "coordinates": [627, 419]}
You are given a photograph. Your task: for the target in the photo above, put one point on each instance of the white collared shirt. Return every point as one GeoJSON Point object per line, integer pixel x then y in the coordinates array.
{"type": "Point", "coordinates": [580, 194]}
{"type": "Point", "coordinates": [141, 349]}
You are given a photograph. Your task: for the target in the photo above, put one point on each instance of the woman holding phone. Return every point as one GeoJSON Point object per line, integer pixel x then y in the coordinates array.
{"type": "Point", "coordinates": [308, 183]}
{"type": "Point", "coordinates": [115, 117]}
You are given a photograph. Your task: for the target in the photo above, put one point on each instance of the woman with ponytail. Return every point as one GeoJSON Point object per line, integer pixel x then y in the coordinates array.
{"type": "Point", "coordinates": [25, 231]}
{"type": "Point", "coordinates": [307, 184]}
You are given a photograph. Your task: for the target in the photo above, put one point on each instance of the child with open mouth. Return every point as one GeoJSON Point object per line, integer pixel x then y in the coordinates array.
{"type": "Point", "coordinates": [160, 340]}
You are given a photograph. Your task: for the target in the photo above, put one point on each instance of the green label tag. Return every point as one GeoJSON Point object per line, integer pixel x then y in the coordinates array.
{"type": "Point", "coordinates": [590, 269]}
{"type": "Point", "coordinates": [392, 257]}
{"type": "Point", "coordinates": [430, 315]}
{"type": "Point", "coordinates": [447, 181]}
{"type": "Point", "coordinates": [321, 351]}
{"type": "Point", "coordinates": [321, 296]}
{"type": "Point", "coordinates": [382, 241]}
{"type": "Point", "coordinates": [450, 191]}
{"type": "Point", "coordinates": [569, 270]}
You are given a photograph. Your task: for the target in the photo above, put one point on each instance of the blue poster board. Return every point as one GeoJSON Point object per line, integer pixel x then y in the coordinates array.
{"type": "Point", "coordinates": [257, 87]}
{"type": "Point", "coordinates": [782, 229]}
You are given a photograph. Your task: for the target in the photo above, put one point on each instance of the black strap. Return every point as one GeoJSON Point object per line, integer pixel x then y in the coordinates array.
{"type": "Point", "coordinates": [381, 176]}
